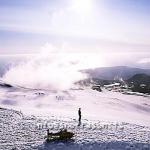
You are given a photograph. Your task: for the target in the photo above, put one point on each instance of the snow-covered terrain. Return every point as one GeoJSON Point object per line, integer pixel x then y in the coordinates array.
{"type": "Point", "coordinates": [18, 131]}
{"type": "Point", "coordinates": [110, 120]}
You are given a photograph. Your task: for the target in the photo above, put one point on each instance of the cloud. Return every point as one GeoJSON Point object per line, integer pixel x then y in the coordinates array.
{"type": "Point", "coordinates": [144, 61]}
{"type": "Point", "coordinates": [48, 70]}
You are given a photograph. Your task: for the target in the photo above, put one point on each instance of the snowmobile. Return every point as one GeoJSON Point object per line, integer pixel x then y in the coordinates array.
{"type": "Point", "coordinates": [62, 135]}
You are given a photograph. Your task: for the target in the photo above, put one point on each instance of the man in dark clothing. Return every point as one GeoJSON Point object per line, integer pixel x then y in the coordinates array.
{"type": "Point", "coordinates": [79, 113]}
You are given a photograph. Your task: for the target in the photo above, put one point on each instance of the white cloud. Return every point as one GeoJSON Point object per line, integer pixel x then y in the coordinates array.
{"type": "Point", "coordinates": [144, 61]}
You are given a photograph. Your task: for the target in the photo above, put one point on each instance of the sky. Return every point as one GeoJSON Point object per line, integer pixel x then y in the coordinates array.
{"type": "Point", "coordinates": [75, 26]}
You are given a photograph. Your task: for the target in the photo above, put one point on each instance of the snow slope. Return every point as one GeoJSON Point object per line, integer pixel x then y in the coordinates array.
{"type": "Point", "coordinates": [18, 131]}
{"type": "Point", "coordinates": [110, 120]}
{"type": "Point", "coordinates": [106, 105]}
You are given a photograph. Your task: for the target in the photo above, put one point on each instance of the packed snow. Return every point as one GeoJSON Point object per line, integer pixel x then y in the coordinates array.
{"type": "Point", "coordinates": [110, 120]}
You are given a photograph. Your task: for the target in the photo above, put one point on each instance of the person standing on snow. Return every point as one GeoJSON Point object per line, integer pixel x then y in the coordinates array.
{"type": "Point", "coordinates": [79, 113]}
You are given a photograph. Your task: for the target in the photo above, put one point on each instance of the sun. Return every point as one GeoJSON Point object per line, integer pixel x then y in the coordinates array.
{"type": "Point", "coordinates": [83, 7]}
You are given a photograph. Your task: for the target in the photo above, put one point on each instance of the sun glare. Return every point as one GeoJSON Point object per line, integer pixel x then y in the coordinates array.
{"type": "Point", "coordinates": [82, 6]}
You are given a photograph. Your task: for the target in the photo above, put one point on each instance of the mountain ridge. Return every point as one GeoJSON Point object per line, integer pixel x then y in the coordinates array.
{"type": "Point", "coordinates": [116, 72]}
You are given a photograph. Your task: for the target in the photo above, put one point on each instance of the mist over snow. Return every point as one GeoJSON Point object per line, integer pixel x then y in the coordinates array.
{"type": "Point", "coordinates": [57, 71]}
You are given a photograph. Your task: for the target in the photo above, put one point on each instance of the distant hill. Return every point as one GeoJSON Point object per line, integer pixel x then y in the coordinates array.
{"type": "Point", "coordinates": [115, 73]}
{"type": "Point", "coordinates": [140, 83]}
{"type": "Point", "coordinates": [140, 79]}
